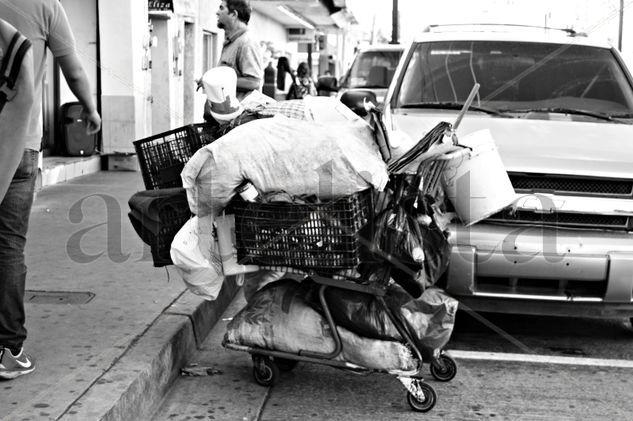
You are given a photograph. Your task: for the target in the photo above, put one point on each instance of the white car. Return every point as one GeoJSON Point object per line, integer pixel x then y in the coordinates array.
{"type": "Point", "coordinates": [372, 69]}
{"type": "Point", "coordinates": [559, 106]}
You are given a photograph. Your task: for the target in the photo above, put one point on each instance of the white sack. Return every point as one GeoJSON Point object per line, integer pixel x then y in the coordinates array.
{"type": "Point", "coordinates": [329, 110]}
{"type": "Point", "coordinates": [296, 156]}
{"type": "Point", "coordinates": [197, 260]}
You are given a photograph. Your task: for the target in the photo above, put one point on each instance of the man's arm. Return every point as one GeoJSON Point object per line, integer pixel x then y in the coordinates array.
{"type": "Point", "coordinates": [247, 84]}
{"type": "Point", "coordinates": [251, 65]}
{"type": "Point", "coordinates": [78, 83]}
{"type": "Point", "coordinates": [14, 119]}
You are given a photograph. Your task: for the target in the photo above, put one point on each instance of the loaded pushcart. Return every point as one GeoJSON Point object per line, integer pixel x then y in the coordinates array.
{"type": "Point", "coordinates": [366, 262]}
{"type": "Point", "coordinates": [349, 246]}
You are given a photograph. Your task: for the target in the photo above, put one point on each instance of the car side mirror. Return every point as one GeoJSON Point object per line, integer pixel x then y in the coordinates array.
{"type": "Point", "coordinates": [355, 100]}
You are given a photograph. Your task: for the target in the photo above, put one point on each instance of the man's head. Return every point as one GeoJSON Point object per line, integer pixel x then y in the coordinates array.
{"type": "Point", "coordinates": [231, 12]}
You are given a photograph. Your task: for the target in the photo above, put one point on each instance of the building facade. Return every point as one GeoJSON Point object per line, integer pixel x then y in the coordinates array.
{"type": "Point", "coordinates": [143, 57]}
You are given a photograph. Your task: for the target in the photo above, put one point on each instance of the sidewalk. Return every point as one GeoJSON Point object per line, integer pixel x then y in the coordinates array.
{"type": "Point", "coordinates": [108, 330]}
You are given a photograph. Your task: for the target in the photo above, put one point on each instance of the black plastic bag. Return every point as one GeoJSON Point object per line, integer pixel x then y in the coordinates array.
{"type": "Point", "coordinates": [398, 238]}
{"type": "Point", "coordinates": [437, 252]}
{"type": "Point", "coordinates": [428, 319]}
{"type": "Point", "coordinates": [363, 314]}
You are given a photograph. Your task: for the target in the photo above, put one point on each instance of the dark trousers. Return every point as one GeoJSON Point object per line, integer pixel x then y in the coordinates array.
{"type": "Point", "coordinates": [14, 221]}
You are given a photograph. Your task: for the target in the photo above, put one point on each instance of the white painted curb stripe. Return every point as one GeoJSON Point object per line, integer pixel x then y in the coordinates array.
{"type": "Point", "coordinates": [539, 359]}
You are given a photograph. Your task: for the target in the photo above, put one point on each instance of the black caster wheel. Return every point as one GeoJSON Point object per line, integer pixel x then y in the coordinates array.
{"type": "Point", "coordinates": [286, 364]}
{"type": "Point", "coordinates": [444, 369]}
{"type": "Point", "coordinates": [426, 404]}
{"type": "Point", "coordinates": [265, 371]}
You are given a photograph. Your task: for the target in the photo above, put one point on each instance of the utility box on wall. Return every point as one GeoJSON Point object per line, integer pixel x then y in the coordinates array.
{"type": "Point", "coordinates": [75, 140]}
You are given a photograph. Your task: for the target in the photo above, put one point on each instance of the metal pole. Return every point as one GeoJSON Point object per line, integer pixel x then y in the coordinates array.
{"type": "Point", "coordinates": [394, 22]}
{"type": "Point", "coordinates": [621, 25]}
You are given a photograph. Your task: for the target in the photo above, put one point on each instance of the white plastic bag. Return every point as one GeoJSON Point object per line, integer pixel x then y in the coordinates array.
{"type": "Point", "coordinates": [195, 255]}
{"type": "Point", "coordinates": [283, 154]}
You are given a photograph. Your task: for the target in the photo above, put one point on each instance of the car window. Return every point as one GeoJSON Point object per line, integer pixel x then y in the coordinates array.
{"type": "Point", "coordinates": [372, 69]}
{"type": "Point", "coordinates": [516, 76]}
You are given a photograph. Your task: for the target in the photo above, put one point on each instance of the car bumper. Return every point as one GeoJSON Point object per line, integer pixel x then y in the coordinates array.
{"type": "Point", "coordinates": [537, 264]}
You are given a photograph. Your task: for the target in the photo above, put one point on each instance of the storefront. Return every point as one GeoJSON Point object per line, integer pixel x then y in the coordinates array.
{"type": "Point", "coordinates": [142, 59]}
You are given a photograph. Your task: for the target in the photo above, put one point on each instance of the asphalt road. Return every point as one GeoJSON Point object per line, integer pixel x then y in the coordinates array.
{"type": "Point", "coordinates": [558, 369]}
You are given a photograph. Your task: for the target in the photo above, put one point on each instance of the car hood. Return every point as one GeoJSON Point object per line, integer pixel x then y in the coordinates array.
{"type": "Point", "coordinates": [563, 146]}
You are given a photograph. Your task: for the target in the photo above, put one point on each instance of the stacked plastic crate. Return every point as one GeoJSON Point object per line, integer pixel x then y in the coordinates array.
{"type": "Point", "coordinates": [159, 212]}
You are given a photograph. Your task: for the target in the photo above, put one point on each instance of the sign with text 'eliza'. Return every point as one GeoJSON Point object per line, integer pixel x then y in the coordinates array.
{"type": "Point", "coordinates": [161, 5]}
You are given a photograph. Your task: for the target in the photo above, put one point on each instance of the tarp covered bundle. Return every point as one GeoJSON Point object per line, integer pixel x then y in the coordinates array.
{"type": "Point", "coordinates": [281, 154]}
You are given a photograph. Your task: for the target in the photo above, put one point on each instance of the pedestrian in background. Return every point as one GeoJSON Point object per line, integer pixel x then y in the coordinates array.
{"type": "Point", "coordinates": [240, 51]}
{"type": "Point", "coordinates": [45, 24]}
{"type": "Point", "coordinates": [302, 84]}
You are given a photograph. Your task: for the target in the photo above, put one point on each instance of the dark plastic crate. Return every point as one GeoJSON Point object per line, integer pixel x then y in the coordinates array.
{"type": "Point", "coordinates": [157, 216]}
{"type": "Point", "coordinates": [163, 156]}
{"type": "Point", "coordinates": [323, 238]}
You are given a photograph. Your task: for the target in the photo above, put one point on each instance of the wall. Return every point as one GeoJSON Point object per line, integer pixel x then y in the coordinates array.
{"type": "Point", "coordinates": [207, 21]}
{"type": "Point", "coordinates": [125, 81]}
{"type": "Point", "coordinates": [162, 99]}
{"type": "Point", "coordinates": [82, 15]}
{"type": "Point", "coordinates": [271, 32]}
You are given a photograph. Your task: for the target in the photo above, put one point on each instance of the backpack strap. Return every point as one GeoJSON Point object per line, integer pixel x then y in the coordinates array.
{"type": "Point", "coordinates": [10, 67]}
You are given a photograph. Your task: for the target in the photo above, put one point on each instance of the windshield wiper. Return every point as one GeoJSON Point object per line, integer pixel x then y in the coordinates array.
{"type": "Point", "coordinates": [456, 106]}
{"type": "Point", "coordinates": [562, 110]}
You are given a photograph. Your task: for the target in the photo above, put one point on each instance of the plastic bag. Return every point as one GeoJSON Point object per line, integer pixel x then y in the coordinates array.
{"type": "Point", "coordinates": [196, 257]}
{"type": "Point", "coordinates": [437, 252]}
{"type": "Point", "coordinates": [279, 318]}
{"type": "Point", "coordinates": [363, 314]}
{"type": "Point", "coordinates": [296, 156]}
{"type": "Point", "coordinates": [398, 238]}
{"type": "Point", "coordinates": [429, 319]}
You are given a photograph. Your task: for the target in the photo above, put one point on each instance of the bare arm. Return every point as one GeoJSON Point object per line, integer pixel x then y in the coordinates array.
{"type": "Point", "coordinates": [247, 83]}
{"type": "Point", "coordinates": [14, 119]}
{"type": "Point", "coordinates": [77, 81]}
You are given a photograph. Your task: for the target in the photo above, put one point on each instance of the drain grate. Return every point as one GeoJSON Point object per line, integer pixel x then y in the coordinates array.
{"type": "Point", "coordinates": [57, 297]}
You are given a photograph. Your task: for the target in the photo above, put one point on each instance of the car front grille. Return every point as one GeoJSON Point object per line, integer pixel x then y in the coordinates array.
{"type": "Point", "coordinates": [615, 222]}
{"type": "Point", "coordinates": [568, 185]}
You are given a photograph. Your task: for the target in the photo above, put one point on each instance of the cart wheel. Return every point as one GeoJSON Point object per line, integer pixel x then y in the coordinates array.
{"type": "Point", "coordinates": [445, 369]}
{"type": "Point", "coordinates": [425, 405]}
{"type": "Point", "coordinates": [286, 364]}
{"type": "Point", "coordinates": [265, 370]}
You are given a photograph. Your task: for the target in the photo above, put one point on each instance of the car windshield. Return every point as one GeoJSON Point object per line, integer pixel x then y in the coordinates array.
{"type": "Point", "coordinates": [372, 69]}
{"type": "Point", "coordinates": [517, 77]}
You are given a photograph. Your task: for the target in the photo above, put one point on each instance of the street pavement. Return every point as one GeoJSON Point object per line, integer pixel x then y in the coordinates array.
{"type": "Point", "coordinates": [217, 384]}
{"type": "Point", "coordinates": [108, 330]}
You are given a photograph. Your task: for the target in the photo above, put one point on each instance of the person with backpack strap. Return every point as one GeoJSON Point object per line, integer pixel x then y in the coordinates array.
{"type": "Point", "coordinates": [17, 97]}
{"type": "Point", "coordinates": [45, 24]}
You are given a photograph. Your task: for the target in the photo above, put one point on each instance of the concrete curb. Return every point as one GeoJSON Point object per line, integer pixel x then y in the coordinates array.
{"type": "Point", "coordinates": [136, 383]}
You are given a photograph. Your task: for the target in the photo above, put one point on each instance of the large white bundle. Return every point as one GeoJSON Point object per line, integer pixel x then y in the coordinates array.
{"type": "Point", "coordinates": [296, 156]}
